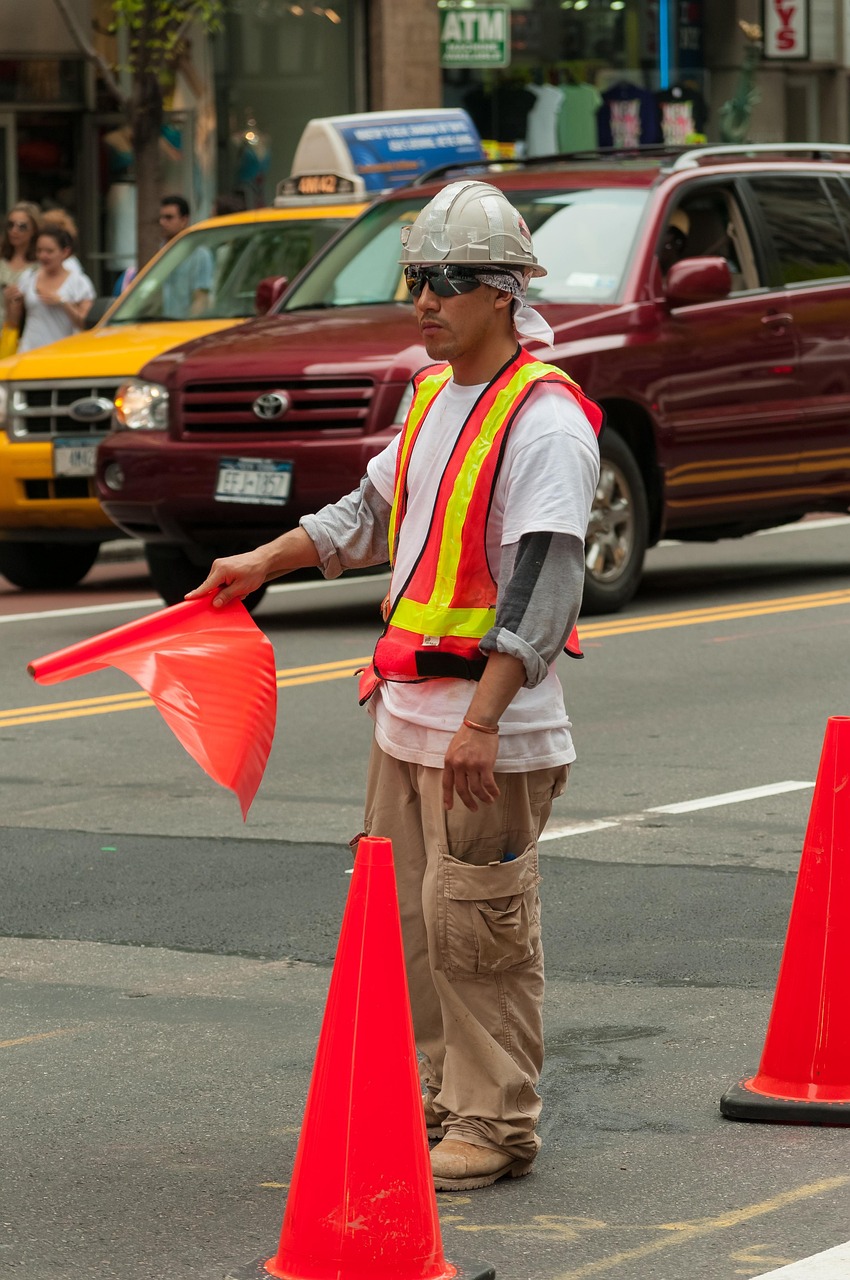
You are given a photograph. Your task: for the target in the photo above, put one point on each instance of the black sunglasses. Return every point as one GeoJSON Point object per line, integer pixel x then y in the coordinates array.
{"type": "Point", "coordinates": [17, 226]}
{"type": "Point", "coordinates": [445, 281]}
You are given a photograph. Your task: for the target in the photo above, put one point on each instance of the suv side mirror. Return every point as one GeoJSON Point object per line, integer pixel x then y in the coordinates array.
{"type": "Point", "coordinates": [697, 280]}
{"type": "Point", "coordinates": [268, 292]}
{"type": "Point", "coordinates": [97, 311]}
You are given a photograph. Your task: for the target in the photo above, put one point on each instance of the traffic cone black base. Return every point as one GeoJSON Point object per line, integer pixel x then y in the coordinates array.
{"type": "Point", "coordinates": [743, 1103]}
{"type": "Point", "coordinates": [258, 1270]}
{"type": "Point", "coordinates": [804, 1073]}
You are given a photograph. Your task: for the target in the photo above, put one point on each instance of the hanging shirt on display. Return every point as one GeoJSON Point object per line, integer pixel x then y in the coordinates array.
{"type": "Point", "coordinates": [683, 114]}
{"type": "Point", "coordinates": [577, 117]}
{"type": "Point", "coordinates": [541, 138]}
{"type": "Point", "coordinates": [501, 114]}
{"type": "Point", "coordinates": [628, 116]}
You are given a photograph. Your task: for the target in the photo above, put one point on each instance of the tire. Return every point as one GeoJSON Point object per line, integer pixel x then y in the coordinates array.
{"type": "Point", "coordinates": [173, 573]}
{"type": "Point", "coordinates": [618, 531]}
{"type": "Point", "coordinates": [46, 566]}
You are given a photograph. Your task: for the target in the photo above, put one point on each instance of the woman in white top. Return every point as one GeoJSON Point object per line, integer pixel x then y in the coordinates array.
{"type": "Point", "coordinates": [17, 248]}
{"type": "Point", "coordinates": [54, 301]}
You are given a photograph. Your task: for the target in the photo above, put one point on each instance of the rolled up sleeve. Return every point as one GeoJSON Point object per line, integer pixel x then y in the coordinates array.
{"type": "Point", "coordinates": [351, 533]}
{"type": "Point", "coordinates": [541, 579]}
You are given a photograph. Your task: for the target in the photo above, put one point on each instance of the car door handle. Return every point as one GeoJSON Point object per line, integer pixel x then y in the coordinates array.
{"type": "Point", "coordinates": [777, 319]}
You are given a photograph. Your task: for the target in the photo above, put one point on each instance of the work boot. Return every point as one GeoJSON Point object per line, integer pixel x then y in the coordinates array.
{"type": "Point", "coordinates": [433, 1124]}
{"type": "Point", "coordinates": [461, 1166]}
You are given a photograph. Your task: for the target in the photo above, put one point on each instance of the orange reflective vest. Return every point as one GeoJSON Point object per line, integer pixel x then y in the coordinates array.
{"type": "Point", "coordinates": [448, 603]}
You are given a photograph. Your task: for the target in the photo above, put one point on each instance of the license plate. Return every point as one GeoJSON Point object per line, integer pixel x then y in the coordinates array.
{"type": "Point", "coordinates": [74, 457]}
{"type": "Point", "coordinates": [257, 480]}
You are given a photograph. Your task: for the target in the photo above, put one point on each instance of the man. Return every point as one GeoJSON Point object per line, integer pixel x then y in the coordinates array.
{"type": "Point", "coordinates": [496, 465]}
{"type": "Point", "coordinates": [186, 292]}
{"type": "Point", "coordinates": [674, 244]}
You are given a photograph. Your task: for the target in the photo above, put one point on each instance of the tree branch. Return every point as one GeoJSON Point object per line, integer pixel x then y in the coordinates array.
{"type": "Point", "coordinates": [79, 36]}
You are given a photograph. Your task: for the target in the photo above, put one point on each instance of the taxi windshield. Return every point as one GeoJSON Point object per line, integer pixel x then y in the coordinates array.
{"type": "Point", "coordinates": [212, 273]}
{"type": "Point", "coordinates": [583, 237]}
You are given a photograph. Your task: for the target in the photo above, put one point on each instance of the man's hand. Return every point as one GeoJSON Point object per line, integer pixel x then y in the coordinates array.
{"type": "Point", "coordinates": [468, 768]}
{"type": "Point", "coordinates": [233, 577]}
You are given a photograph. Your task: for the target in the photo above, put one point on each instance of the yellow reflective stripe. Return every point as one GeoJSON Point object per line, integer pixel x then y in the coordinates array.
{"type": "Point", "coordinates": [448, 560]}
{"type": "Point", "coordinates": [423, 397]}
{"type": "Point", "coordinates": [431, 620]}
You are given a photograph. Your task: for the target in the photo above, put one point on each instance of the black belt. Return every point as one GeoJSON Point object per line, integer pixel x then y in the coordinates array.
{"type": "Point", "coordinates": [431, 664]}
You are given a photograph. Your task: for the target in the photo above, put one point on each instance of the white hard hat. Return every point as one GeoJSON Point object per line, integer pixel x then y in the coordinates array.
{"type": "Point", "coordinates": [472, 223]}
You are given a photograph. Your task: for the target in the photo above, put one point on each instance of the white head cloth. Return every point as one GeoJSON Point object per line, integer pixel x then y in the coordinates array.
{"type": "Point", "coordinates": [527, 322]}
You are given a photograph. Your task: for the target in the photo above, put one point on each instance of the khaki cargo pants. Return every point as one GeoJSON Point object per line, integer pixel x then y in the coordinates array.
{"type": "Point", "coordinates": [471, 925]}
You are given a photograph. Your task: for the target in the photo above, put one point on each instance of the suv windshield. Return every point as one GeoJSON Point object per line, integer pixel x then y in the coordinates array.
{"type": "Point", "coordinates": [212, 273]}
{"type": "Point", "coordinates": [583, 237]}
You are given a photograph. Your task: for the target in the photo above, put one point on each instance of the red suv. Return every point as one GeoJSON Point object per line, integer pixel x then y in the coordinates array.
{"type": "Point", "coordinates": [701, 296]}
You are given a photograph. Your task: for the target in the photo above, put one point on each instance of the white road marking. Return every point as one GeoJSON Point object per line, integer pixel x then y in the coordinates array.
{"type": "Point", "coordinates": [730, 797]}
{"type": "Point", "coordinates": [82, 611]}
{"type": "Point", "coordinates": [564, 829]}
{"type": "Point", "coordinates": [155, 602]}
{"type": "Point", "coordinates": [576, 828]}
{"type": "Point", "coordinates": [832, 1264]}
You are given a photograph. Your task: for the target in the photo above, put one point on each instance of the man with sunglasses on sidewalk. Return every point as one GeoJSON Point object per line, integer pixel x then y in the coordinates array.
{"type": "Point", "coordinates": [481, 504]}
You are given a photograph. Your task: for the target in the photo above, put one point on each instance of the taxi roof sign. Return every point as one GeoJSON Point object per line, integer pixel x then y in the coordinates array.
{"type": "Point", "coordinates": [362, 155]}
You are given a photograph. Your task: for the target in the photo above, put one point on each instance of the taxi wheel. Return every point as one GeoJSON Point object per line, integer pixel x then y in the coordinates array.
{"type": "Point", "coordinates": [618, 530]}
{"type": "Point", "coordinates": [173, 573]}
{"type": "Point", "coordinates": [46, 566]}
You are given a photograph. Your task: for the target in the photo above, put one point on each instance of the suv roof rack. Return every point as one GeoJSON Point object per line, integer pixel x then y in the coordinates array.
{"type": "Point", "coordinates": [695, 156]}
{"type": "Point", "coordinates": [601, 156]}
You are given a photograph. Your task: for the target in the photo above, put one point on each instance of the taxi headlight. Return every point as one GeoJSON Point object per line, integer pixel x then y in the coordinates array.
{"type": "Point", "coordinates": [4, 402]}
{"type": "Point", "coordinates": [141, 406]}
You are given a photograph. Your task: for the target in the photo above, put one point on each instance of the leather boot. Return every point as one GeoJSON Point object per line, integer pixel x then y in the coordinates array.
{"type": "Point", "coordinates": [461, 1166]}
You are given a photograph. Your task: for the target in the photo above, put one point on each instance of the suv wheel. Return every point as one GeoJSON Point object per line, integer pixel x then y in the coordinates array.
{"type": "Point", "coordinates": [618, 530]}
{"type": "Point", "coordinates": [46, 566]}
{"type": "Point", "coordinates": [173, 573]}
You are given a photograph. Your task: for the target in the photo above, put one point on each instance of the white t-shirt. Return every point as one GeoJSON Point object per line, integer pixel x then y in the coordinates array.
{"type": "Point", "coordinates": [44, 323]}
{"type": "Point", "coordinates": [546, 483]}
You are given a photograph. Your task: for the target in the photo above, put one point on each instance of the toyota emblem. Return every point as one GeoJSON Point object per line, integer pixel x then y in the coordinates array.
{"type": "Point", "coordinates": [273, 404]}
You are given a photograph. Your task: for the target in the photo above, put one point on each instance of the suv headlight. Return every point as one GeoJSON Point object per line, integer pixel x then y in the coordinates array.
{"type": "Point", "coordinates": [403, 406]}
{"type": "Point", "coordinates": [141, 406]}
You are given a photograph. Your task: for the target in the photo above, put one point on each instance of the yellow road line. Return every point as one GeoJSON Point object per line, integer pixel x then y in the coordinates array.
{"type": "Point", "coordinates": [726, 613]}
{"type": "Point", "coordinates": [683, 1232]}
{"type": "Point", "coordinates": [134, 701]}
{"type": "Point", "coordinates": [290, 677]}
{"type": "Point", "coordinates": [42, 1035]}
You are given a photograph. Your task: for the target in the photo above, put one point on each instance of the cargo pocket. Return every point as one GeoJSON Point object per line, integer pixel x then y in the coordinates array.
{"type": "Point", "coordinates": [490, 915]}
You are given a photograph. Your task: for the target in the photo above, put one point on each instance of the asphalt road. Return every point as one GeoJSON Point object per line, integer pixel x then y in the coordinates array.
{"type": "Point", "coordinates": [163, 966]}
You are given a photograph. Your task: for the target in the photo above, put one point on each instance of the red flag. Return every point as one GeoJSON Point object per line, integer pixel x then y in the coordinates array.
{"type": "Point", "coordinates": [211, 673]}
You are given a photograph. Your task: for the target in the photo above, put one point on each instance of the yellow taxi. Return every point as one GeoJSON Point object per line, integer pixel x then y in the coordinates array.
{"type": "Point", "coordinates": [56, 401]}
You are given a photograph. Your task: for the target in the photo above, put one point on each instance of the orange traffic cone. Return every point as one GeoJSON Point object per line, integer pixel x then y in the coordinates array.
{"type": "Point", "coordinates": [361, 1201]}
{"type": "Point", "coordinates": [804, 1074]}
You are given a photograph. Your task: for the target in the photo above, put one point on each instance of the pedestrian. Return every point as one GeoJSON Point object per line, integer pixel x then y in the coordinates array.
{"type": "Point", "coordinates": [61, 218]}
{"type": "Point", "coordinates": [17, 253]}
{"type": "Point", "coordinates": [483, 502]}
{"type": "Point", "coordinates": [187, 288]}
{"type": "Point", "coordinates": [49, 302]}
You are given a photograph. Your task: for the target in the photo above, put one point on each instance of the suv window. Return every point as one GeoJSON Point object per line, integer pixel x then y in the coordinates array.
{"type": "Point", "coordinates": [709, 223]}
{"type": "Point", "coordinates": [584, 237]}
{"type": "Point", "coordinates": [808, 237]}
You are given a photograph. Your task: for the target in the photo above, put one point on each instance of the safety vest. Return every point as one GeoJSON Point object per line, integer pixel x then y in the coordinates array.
{"type": "Point", "coordinates": [448, 603]}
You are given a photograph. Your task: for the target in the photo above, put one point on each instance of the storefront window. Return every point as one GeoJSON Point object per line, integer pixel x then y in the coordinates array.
{"type": "Point", "coordinates": [582, 74]}
{"type": "Point", "coordinates": [279, 64]}
{"type": "Point", "coordinates": [41, 80]}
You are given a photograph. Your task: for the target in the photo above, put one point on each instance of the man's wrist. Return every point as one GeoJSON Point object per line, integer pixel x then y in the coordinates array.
{"type": "Point", "coordinates": [479, 726]}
